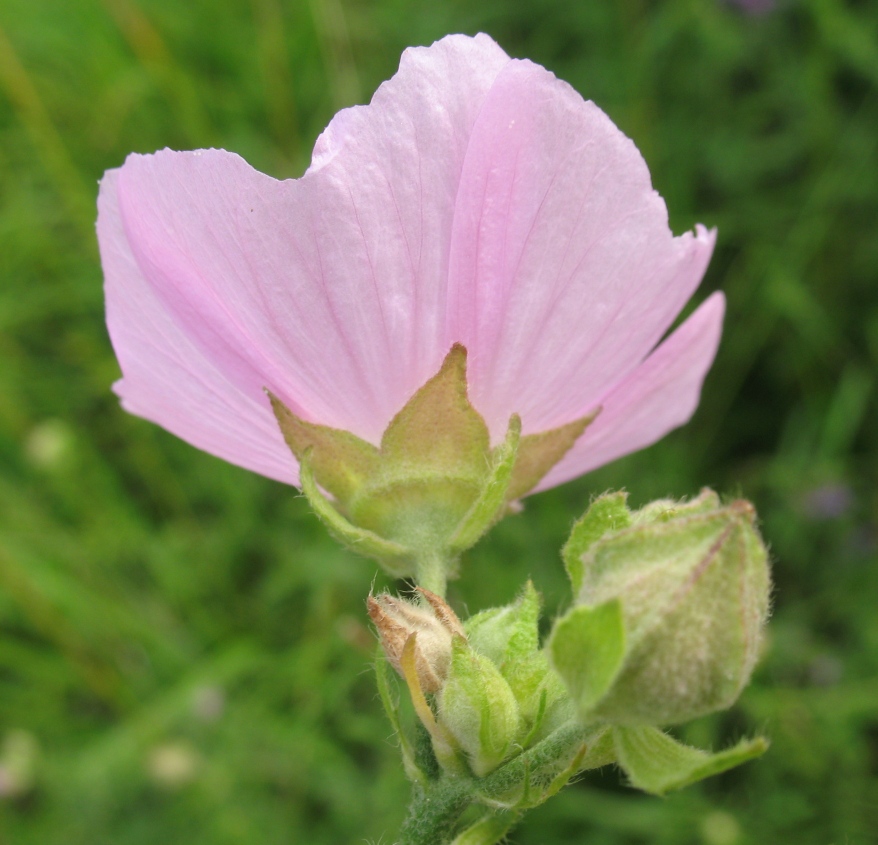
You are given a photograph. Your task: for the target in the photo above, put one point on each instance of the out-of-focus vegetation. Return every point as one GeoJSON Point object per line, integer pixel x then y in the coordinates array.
{"type": "Point", "coordinates": [184, 655]}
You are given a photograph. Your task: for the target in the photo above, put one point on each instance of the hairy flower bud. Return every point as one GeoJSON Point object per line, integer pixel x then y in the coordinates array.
{"type": "Point", "coordinates": [478, 708]}
{"type": "Point", "coordinates": [671, 605]}
{"type": "Point", "coordinates": [509, 637]}
{"type": "Point", "coordinates": [432, 622]}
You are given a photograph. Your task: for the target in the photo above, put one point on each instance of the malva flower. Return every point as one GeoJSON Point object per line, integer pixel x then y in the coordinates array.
{"type": "Point", "coordinates": [479, 201]}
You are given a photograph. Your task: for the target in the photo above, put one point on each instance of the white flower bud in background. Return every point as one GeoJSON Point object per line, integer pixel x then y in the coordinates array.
{"type": "Point", "coordinates": [19, 754]}
{"type": "Point", "coordinates": [49, 444]}
{"type": "Point", "coordinates": [173, 764]}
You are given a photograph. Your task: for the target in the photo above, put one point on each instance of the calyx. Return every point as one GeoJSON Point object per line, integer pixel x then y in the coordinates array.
{"type": "Point", "coordinates": [433, 486]}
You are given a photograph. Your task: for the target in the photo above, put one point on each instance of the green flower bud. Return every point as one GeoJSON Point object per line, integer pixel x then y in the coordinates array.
{"type": "Point", "coordinates": [483, 690]}
{"type": "Point", "coordinates": [509, 637]}
{"type": "Point", "coordinates": [478, 708]}
{"type": "Point", "coordinates": [507, 634]}
{"type": "Point", "coordinates": [670, 608]}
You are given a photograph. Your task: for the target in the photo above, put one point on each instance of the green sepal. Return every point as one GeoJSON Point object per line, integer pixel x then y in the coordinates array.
{"type": "Point", "coordinates": [478, 708]}
{"type": "Point", "coordinates": [438, 432]}
{"type": "Point", "coordinates": [509, 633]}
{"type": "Point", "coordinates": [434, 462]}
{"type": "Point", "coordinates": [664, 510]}
{"type": "Point", "coordinates": [433, 486]}
{"type": "Point", "coordinates": [385, 679]}
{"type": "Point", "coordinates": [606, 513]}
{"type": "Point", "coordinates": [340, 461]}
{"type": "Point", "coordinates": [509, 637]}
{"type": "Point", "coordinates": [539, 452]}
{"type": "Point", "coordinates": [588, 648]}
{"type": "Point", "coordinates": [396, 558]}
{"type": "Point", "coordinates": [656, 762]}
{"type": "Point", "coordinates": [425, 753]}
{"type": "Point", "coordinates": [599, 752]}
{"type": "Point", "coordinates": [491, 502]}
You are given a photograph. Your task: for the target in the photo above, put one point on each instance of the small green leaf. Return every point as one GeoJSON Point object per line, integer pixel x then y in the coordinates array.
{"type": "Point", "coordinates": [538, 453]}
{"type": "Point", "coordinates": [491, 503]}
{"type": "Point", "coordinates": [508, 633]}
{"type": "Point", "coordinates": [655, 762]}
{"type": "Point", "coordinates": [438, 432]}
{"type": "Point", "coordinates": [606, 513]}
{"type": "Point", "coordinates": [340, 461]}
{"type": "Point", "coordinates": [391, 708]}
{"type": "Point", "coordinates": [394, 557]}
{"type": "Point", "coordinates": [509, 637]}
{"type": "Point", "coordinates": [587, 649]}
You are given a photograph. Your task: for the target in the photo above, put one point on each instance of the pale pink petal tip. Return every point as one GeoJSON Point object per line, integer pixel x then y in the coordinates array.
{"type": "Point", "coordinates": [659, 396]}
{"type": "Point", "coordinates": [476, 199]}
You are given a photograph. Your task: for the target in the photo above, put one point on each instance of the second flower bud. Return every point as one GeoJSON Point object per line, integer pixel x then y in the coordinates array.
{"type": "Point", "coordinates": [483, 689]}
{"type": "Point", "coordinates": [432, 623]}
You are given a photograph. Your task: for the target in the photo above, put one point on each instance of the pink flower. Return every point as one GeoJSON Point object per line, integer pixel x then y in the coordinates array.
{"type": "Point", "coordinates": [476, 199]}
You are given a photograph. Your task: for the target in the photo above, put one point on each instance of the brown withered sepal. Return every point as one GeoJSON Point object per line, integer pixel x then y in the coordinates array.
{"type": "Point", "coordinates": [433, 624]}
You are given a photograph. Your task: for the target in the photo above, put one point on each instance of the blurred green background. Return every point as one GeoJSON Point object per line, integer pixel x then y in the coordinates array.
{"type": "Point", "coordinates": [184, 655]}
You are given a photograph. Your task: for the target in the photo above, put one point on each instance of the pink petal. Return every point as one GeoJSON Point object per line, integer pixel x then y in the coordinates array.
{"type": "Point", "coordinates": [564, 273]}
{"type": "Point", "coordinates": [660, 395]}
{"type": "Point", "coordinates": [167, 378]}
{"type": "Point", "coordinates": [477, 199]}
{"type": "Point", "coordinates": [329, 290]}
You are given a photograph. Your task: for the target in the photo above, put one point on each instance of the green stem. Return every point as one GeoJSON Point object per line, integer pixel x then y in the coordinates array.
{"type": "Point", "coordinates": [434, 812]}
{"type": "Point", "coordinates": [550, 752]}
{"type": "Point", "coordinates": [431, 572]}
{"type": "Point", "coordinates": [437, 807]}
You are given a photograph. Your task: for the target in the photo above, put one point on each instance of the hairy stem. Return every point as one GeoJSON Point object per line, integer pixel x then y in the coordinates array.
{"type": "Point", "coordinates": [434, 812]}
{"type": "Point", "coordinates": [437, 806]}
{"type": "Point", "coordinates": [552, 753]}
{"type": "Point", "coordinates": [431, 572]}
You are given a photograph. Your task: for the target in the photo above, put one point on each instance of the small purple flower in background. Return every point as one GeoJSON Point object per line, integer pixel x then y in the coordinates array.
{"type": "Point", "coordinates": [477, 199]}
{"type": "Point", "coordinates": [832, 500]}
{"type": "Point", "coordinates": [753, 7]}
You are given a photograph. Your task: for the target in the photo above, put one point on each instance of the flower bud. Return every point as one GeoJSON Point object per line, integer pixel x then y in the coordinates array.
{"type": "Point", "coordinates": [509, 637]}
{"type": "Point", "coordinates": [671, 605]}
{"type": "Point", "coordinates": [432, 621]}
{"type": "Point", "coordinates": [478, 708]}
